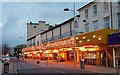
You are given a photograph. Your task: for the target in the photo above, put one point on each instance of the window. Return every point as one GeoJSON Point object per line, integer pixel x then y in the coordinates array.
{"type": "Point", "coordinates": [86, 13]}
{"type": "Point", "coordinates": [95, 23]}
{"type": "Point", "coordinates": [95, 10]}
{"type": "Point", "coordinates": [87, 27]}
{"type": "Point", "coordinates": [118, 2]}
{"type": "Point", "coordinates": [34, 26]}
{"type": "Point", "coordinates": [107, 22]}
{"type": "Point", "coordinates": [106, 5]}
{"type": "Point", "coordinates": [118, 20]}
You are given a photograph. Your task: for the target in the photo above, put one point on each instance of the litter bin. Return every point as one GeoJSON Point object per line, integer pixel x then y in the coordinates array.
{"type": "Point", "coordinates": [38, 62]}
{"type": "Point", "coordinates": [6, 67]}
{"type": "Point", "coordinates": [82, 64]}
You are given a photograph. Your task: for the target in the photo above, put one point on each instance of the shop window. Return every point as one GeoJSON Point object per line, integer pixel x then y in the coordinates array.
{"type": "Point", "coordinates": [34, 26]}
{"type": "Point", "coordinates": [118, 2]}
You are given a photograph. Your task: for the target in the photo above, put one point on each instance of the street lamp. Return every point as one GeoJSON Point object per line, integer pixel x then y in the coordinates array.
{"type": "Point", "coordinates": [67, 9]}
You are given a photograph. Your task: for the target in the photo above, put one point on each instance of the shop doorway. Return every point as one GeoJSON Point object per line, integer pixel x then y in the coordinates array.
{"type": "Point", "coordinates": [70, 56]}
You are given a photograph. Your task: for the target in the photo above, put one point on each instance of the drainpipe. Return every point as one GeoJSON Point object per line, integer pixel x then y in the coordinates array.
{"type": "Point", "coordinates": [111, 27]}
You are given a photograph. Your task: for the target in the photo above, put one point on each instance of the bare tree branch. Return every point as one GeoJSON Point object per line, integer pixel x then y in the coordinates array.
{"type": "Point", "coordinates": [5, 49]}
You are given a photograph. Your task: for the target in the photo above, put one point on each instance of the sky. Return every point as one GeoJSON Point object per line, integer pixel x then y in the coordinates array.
{"type": "Point", "coordinates": [16, 15]}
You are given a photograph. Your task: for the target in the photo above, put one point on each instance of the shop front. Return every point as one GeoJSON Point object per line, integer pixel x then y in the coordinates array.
{"type": "Point", "coordinates": [114, 45]}
{"type": "Point", "coordinates": [93, 47]}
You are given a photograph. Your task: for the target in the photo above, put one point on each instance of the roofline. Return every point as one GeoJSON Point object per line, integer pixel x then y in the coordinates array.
{"type": "Point", "coordinates": [71, 19]}
{"type": "Point", "coordinates": [87, 5]}
{"type": "Point", "coordinates": [31, 37]}
{"type": "Point", "coordinates": [32, 23]}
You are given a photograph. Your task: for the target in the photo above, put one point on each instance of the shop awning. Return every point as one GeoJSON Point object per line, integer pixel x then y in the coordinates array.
{"type": "Point", "coordinates": [96, 37]}
{"type": "Point", "coordinates": [114, 39]}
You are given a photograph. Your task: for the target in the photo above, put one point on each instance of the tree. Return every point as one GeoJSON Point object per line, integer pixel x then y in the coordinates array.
{"type": "Point", "coordinates": [5, 49]}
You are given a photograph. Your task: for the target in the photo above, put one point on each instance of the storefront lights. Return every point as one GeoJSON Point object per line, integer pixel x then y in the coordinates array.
{"type": "Point", "coordinates": [94, 36]}
{"type": "Point", "coordinates": [40, 50]}
{"type": "Point", "coordinates": [38, 55]}
{"type": "Point", "coordinates": [69, 49]}
{"type": "Point", "coordinates": [35, 52]}
{"type": "Point", "coordinates": [46, 51]}
{"type": "Point", "coordinates": [55, 51]}
{"type": "Point", "coordinates": [80, 41]}
{"type": "Point", "coordinates": [76, 38]}
{"type": "Point", "coordinates": [88, 39]}
{"type": "Point", "coordinates": [61, 49]}
{"type": "Point", "coordinates": [84, 37]}
{"type": "Point", "coordinates": [99, 38]}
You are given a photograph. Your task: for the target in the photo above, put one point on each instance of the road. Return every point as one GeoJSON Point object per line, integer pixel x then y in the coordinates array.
{"type": "Point", "coordinates": [30, 67]}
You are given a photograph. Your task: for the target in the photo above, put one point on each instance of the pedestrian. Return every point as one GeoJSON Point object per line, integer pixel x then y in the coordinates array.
{"type": "Point", "coordinates": [103, 61]}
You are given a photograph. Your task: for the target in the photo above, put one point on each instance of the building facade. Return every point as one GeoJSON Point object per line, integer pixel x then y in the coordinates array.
{"type": "Point", "coordinates": [115, 46]}
{"type": "Point", "coordinates": [33, 29]}
{"type": "Point", "coordinates": [98, 15]}
{"type": "Point", "coordinates": [96, 21]}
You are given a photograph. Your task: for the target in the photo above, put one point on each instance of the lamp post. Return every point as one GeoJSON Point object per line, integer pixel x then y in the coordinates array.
{"type": "Point", "coordinates": [67, 9]}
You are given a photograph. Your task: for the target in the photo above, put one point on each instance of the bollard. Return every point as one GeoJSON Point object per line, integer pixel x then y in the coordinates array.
{"type": "Point", "coordinates": [38, 62]}
{"type": "Point", "coordinates": [6, 67]}
{"type": "Point", "coordinates": [18, 71]}
{"type": "Point", "coordinates": [82, 64]}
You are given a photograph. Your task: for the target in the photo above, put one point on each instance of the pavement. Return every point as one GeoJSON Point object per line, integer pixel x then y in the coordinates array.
{"type": "Point", "coordinates": [64, 66]}
{"type": "Point", "coordinates": [0, 67]}
{"type": "Point", "coordinates": [11, 67]}
{"type": "Point", "coordinates": [70, 65]}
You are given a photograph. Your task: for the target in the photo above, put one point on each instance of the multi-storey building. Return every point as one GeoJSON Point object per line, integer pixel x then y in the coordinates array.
{"type": "Point", "coordinates": [99, 15]}
{"type": "Point", "coordinates": [34, 29]}
{"type": "Point", "coordinates": [96, 21]}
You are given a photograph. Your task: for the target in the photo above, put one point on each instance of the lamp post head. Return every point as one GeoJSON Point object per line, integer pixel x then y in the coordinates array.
{"type": "Point", "coordinates": [66, 9]}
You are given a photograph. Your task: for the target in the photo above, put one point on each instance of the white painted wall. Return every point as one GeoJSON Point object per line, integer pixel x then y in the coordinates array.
{"type": "Point", "coordinates": [56, 31]}
{"type": "Point", "coordinates": [101, 14]}
{"type": "Point", "coordinates": [38, 38]}
{"type": "Point", "coordinates": [65, 28]}
{"type": "Point", "coordinates": [43, 36]}
{"type": "Point", "coordinates": [49, 34]}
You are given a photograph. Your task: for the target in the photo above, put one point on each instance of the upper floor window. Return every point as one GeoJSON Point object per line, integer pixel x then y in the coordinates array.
{"type": "Point", "coordinates": [86, 13]}
{"type": "Point", "coordinates": [118, 2]}
{"type": "Point", "coordinates": [34, 26]}
{"type": "Point", "coordinates": [87, 27]}
{"type": "Point", "coordinates": [106, 4]}
{"type": "Point", "coordinates": [107, 22]}
{"type": "Point", "coordinates": [118, 20]}
{"type": "Point", "coordinates": [95, 23]}
{"type": "Point", "coordinates": [95, 10]}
